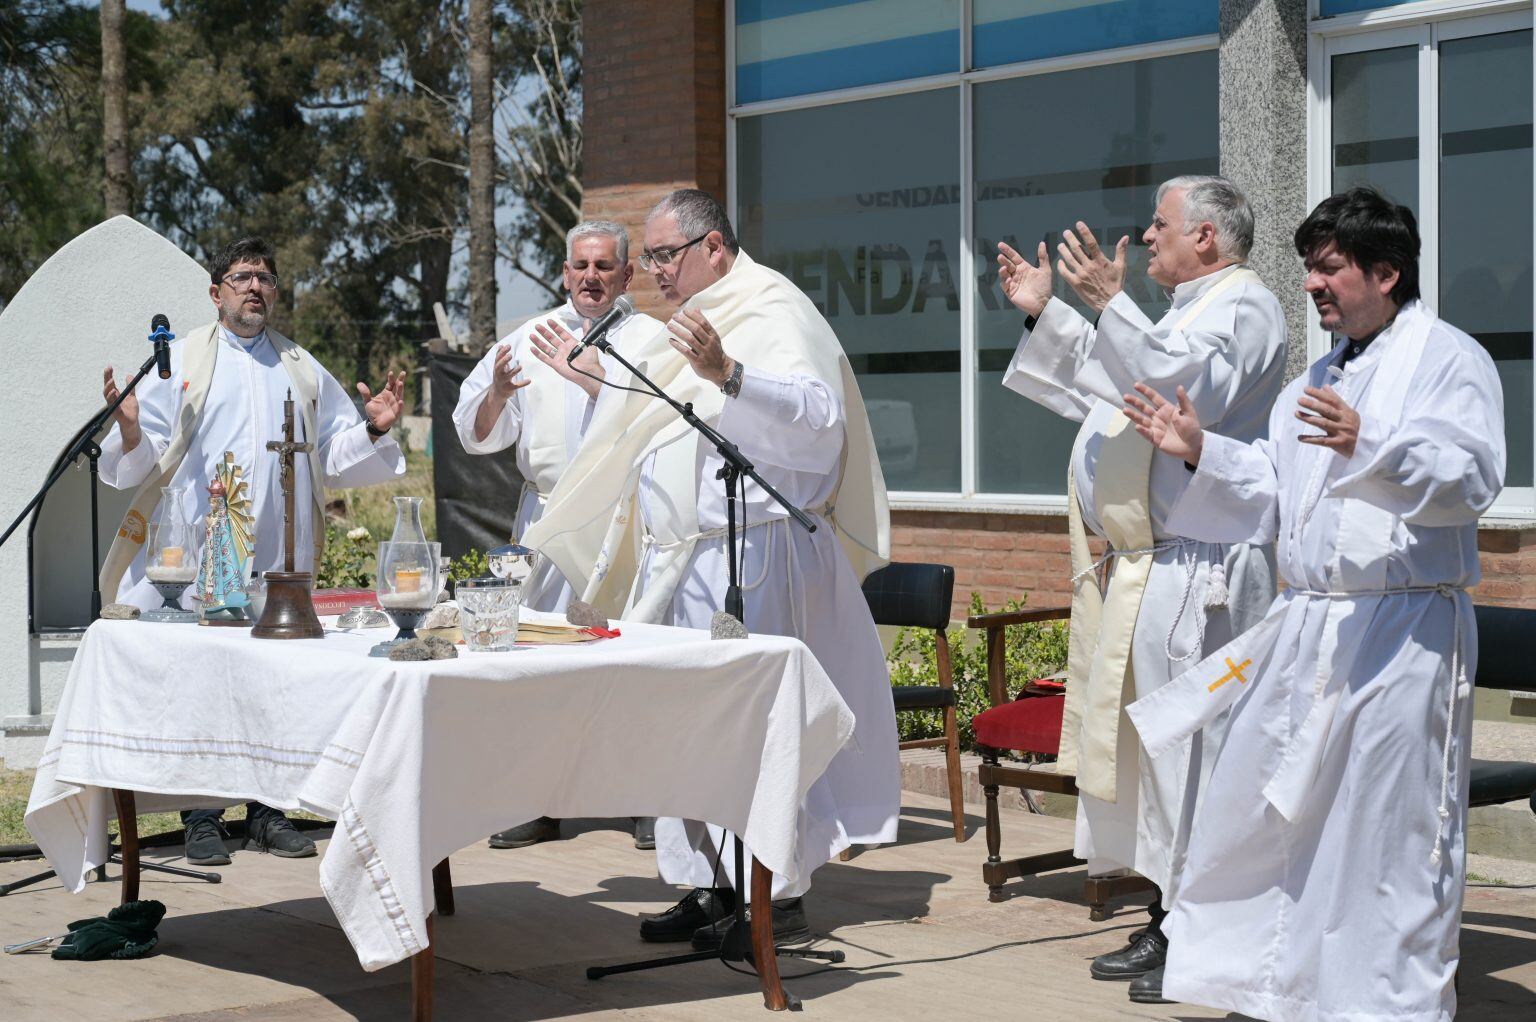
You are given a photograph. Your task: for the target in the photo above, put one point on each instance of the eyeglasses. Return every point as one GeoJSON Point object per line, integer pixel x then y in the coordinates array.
{"type": "Point", "coordinates": [238, 279]}
{"type": "Point", "coordinates": [663, 256]}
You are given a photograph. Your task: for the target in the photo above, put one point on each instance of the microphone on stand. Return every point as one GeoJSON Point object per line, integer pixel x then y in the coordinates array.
{"type": "Point", "coordinates": [621, 308]}
{"type": "Point", "coordinates": [160, 335]}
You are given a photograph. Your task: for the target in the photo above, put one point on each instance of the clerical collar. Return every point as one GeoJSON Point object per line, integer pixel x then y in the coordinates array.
{"type": "Point", "coordinates": [1192, 288]}
{"type": "Point", "coordinates": [245, 342]}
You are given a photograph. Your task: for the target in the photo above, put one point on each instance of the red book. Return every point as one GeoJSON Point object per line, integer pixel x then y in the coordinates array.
{"type": "Point", "coordinates": [329, 602]}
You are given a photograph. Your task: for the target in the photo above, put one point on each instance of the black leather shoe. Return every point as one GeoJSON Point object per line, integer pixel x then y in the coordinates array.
{"type": "Point", "coordinates": [545, 828]}
{"type": "Point", "coordinates": [1148, 989]}
{"type": "Point", "coordinates": [699, 907]}
{"type": "Point", "coordinates": [275, 833]}
{"type": "Point", "coordinates": [205, 843]}
{"type": "Point", "coordinates": [645, 833]}
{"type": "Point", "coordinates": [1147, 953]}
{"type": "Point", "coordinates": [789, 927]}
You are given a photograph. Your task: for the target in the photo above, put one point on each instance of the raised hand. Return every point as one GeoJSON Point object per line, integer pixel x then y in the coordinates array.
{"type": "Point", "coordinates": [1026, 285]}
{"type": "Point", "coordinates": [384, 408]}
{"type": "Point", "coordinates": [1171, 428]}
{"type": "Point", "coordinates": [551, 344]}
{"type": "Point", "coordinates": [506, 376]}
{"type": "Point", "coordinates": [127, 414]}
{"type": "Point", "coordinates": [1326, 410]}
{"type": "Point", "coordinates": [697, 341]}
{"type": "Point", "coordinates": [1095, 277]}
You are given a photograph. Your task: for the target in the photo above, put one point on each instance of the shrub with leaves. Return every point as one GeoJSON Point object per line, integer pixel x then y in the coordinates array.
{"type": "Point", "coordinates": [1032, 651]}
{"type": "Point", "coordinates": [347, 559]}
{"type": "Point", "coordinates": [470, 564]}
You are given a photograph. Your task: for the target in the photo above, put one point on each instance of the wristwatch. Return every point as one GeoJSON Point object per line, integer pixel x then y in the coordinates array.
{"type": "Point", "coordinates": [732, 385]}
{"type": "Point", "coordinates": [373, 430]}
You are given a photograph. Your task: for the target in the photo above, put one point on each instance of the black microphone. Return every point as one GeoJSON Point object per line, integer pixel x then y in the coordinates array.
{"type": "Point", "coordinates": [621, 308]}
{"type": "Point", "coordinates": [160, 335]}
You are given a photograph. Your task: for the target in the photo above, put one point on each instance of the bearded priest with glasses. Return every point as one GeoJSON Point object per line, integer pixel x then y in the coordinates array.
{"type": "Point", "coordinates": [228, 382]}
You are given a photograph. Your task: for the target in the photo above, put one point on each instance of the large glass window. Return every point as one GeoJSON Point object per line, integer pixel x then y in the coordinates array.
{"type": "Point", "coordinates": [1485, 227]}
{"type": "Point", "coordinates": [1006, 31]}
{"type": "Point", "coordinates": [859, 205]}
{"type": "Point", "coordinates": [1328, 8]}
{"type": "Point", "coordinates": [1115, 133]}
{"type": "Point", "coordinates": [794, 47]}
{"type": "Point", "coordinates": [1376, 122]}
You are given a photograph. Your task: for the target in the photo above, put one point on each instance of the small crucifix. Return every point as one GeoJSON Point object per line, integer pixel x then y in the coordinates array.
{"type": "Point", "coordinates": [285, 449]}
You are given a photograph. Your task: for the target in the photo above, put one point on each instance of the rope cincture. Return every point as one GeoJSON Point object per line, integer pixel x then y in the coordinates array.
{"type": "Point", "coordinates": [1216, 588]}
{"type": "Point", "coordinates": [1460, 688]}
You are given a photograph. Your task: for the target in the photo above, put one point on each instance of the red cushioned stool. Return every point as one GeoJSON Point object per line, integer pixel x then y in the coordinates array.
{"type": "Point", "coordinates": [1031, 723]}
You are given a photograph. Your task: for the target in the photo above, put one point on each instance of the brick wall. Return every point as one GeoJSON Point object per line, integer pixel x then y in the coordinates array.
{"type": "Point", "coordinates": [654, 119]}
{"type": "Point", "coordinates": [1006, 556]}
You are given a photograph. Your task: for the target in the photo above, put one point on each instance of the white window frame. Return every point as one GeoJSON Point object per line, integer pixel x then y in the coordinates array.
{"type": "Point", "coordinates": [1424, 25]}
{"type": "Point", "coordinates": [964, 81]}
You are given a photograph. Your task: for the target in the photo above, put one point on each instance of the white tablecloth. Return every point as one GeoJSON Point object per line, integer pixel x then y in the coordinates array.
{"type": "Point", "coordinates": [417, 760]}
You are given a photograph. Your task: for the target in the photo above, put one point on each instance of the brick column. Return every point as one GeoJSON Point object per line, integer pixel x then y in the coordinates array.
{"type": "Point", "coordinates": [654, 117]}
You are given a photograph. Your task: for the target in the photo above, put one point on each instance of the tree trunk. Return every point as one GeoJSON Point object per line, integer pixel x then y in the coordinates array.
{"type": "Point", "coordinates": [482, 181]}
{"type": "Point", "coordinates": [117, 187]}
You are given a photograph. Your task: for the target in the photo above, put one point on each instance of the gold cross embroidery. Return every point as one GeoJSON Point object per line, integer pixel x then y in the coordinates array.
{"type": "Point", "coordinates": [1233, 671]}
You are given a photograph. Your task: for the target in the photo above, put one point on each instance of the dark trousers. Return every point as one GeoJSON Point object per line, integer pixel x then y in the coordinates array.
{"type": "Point", "coordinates": [1157, 912]}
{"type": "Point", "coordinates": [253, 812]}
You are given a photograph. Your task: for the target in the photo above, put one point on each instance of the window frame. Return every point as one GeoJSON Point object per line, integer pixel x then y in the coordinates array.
{"type": "Point", "coordinates": [1424, 25]}
{"type": "Point", "coordinates": [968, 498]}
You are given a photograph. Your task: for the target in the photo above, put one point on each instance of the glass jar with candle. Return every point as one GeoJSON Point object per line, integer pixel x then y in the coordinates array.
{"type": "Point", "coordinates": [406, 582]}
{"type": "Point", "coordinates": [171, 555]}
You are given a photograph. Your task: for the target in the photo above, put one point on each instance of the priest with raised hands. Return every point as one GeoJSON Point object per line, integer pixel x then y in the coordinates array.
{"type": "Point", "coordinates": [229, 380]}
{"type": "Point", "coordinates": [638, 524]}
{"type": "Point", "coordinates": [526, 391]}
{"type": "Point", "coordinates": [1168, 599]}
{"type": "Point", "coordinates": [1326, 867]}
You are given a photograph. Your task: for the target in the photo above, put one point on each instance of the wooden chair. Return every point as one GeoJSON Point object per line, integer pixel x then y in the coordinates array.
{"type": "Point", "coordinates": [1027, 724]}
{"type": "Point", "coordinates": [1503, 661]}
{"type": "Point", "coordinates": [918, 596]}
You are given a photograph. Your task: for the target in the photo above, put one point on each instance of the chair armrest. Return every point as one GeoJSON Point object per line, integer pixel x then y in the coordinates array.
{"type": "Point", "coordinates": [1004, 618]}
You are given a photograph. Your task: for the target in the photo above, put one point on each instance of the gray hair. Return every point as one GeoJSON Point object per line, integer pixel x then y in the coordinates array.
{"type": "Point", "coordinates": [697, 214]}
{"type": "Point", "coordinates": [599, 229]}
{"type": "Point", "coordinates": [1208, 198]}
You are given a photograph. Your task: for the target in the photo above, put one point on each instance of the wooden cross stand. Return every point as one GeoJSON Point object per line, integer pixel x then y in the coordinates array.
{"type": "Point", "coordinates": [290, 609]}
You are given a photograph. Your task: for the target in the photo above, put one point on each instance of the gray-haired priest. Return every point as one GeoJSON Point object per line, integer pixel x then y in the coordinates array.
{"type": "Point", "coordinates": [755, 357]}
{"type": "Point", "coordinates": [524, 392]}
{"type": "Point", "coordinates": [1168, 599]}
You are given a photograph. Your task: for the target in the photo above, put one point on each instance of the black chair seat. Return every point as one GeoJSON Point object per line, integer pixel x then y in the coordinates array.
{"type": "Point", "coordinates": [922, 697]}
{"type": "Point", "coordinates": [1494, 782]}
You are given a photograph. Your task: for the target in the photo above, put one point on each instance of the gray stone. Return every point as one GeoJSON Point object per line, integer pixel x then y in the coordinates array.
{"type": "Point", "coordinates": [441, 648]}
{"type": "Point", "coordinates": [725, 626]}
{"type": "Point", "coordinates": [444, 615]}
{"type": "Point", "coordinates": [1263, 71]}
{"type": "Point", "coordinates": [119, 612]}
{"type": "Point", "coordinates": [584, 615]}
{"type": "Point", "coordinates": [412, 650]}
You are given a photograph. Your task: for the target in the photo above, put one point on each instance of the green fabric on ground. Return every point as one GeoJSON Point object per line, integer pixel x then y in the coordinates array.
{"type": "Point", "coordinates": [128, 931]}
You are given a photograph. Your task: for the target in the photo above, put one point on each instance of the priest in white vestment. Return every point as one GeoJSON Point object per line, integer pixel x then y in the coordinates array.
{"type": "Point", "coordinates": [639, 522]}
{"type": "Point", "coordinates": [525, 392]}
{"type": "Point", "coordinates": [1326, 868]}
{"type": "Point", "coordinates": [1223, 339]}
{"type": "Point", "coordinates": [228, 383]}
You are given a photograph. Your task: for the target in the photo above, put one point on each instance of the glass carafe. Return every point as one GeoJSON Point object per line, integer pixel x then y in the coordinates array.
{"type": "Point", "coordinates": [408, 521]}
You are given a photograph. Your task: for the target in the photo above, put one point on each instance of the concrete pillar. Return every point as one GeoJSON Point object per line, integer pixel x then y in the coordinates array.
{"type": "Point", "coordinates": [654, 117]}
{"type": "Point", "coordinates": [1263, 64]}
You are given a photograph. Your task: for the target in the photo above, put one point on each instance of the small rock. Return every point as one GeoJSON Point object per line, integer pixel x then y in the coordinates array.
{"type": "Point", "coordinates": [444, 615]}
{"type": "Point", "coordinates": [441, 648]}
{"type": "Point", "coordinates": [412, 649]}
{"type": "Point", "coordinates": [725, 626]}
{"type": "Point", "coordinates": [120, 612]}
{"type": "Point", "coordinates": [584, 615]}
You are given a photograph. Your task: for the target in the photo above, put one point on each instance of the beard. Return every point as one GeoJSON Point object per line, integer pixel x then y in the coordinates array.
{"type": "Point", "coordinates": [236, 316]}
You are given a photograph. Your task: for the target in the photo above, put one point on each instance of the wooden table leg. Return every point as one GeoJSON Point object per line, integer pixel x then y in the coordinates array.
{"type": "Point", "coordinates": [424, 976]}
{"type": "Point", "coordinates": [128, 835]}
{"type": "Point", "coordinates": [442, 888]}
{"type": "Point", "coordinates": [764, 958]}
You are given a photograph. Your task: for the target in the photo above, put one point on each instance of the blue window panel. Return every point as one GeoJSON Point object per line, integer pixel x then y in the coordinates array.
{"type": "Point", "coordinates": [1328, 8]}
{"type": "Point", "coordinates": [795, 47]}
{"type": "Point", "coordinates": [849, 66]}
{"type": "Point", "coordinates": [1082, 27]}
